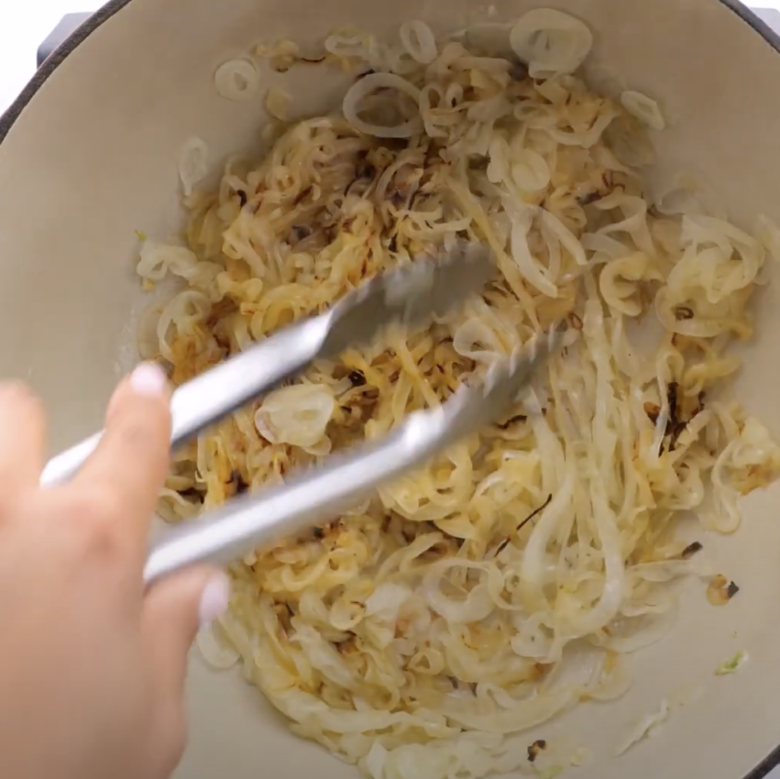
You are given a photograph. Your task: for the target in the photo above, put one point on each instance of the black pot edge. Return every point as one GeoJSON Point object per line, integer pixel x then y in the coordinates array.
{"type": "Point", "coordinates": [102, 15]}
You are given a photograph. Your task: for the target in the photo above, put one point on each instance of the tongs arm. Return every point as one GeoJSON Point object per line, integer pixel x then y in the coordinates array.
{"type": "Point", "coordinates": [315, 495]}
{"type": "Point", "coordinates": [322, 492]}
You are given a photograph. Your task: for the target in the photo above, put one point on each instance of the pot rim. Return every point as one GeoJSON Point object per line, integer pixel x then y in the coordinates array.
{"type": "Point", "coordinates": [105, 12]}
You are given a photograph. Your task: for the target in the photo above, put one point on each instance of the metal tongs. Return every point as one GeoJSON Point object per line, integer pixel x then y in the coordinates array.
{"type": "Point", "coordinates": [409, 296]}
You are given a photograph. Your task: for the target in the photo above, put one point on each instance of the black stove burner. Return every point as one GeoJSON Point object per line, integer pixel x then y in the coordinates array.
{"type": "Point", "coordinates": [66, 26]}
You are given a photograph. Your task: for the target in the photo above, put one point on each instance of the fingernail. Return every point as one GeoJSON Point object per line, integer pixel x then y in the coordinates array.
{"type": "Point", "coordinates": [149, 379]}
{"type": "Point", "coordinates": [215, 598]}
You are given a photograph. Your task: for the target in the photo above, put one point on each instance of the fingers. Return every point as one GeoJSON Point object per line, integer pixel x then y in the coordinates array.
{"type": "Point", "coordinates": [174, 610]}
{"type": "Point", "coordinates": [22, 439]}
{"type": "Point", "coordinates": [131, 461]}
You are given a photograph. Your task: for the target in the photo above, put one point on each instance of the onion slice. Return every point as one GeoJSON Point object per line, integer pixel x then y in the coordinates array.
{"type": "Point", "coordinates": [237, 79]}
{"type": "Point", "coordinates": [193, 163]}
{"type": "Point", "coordinates": [552, 43]}
{"type": "Point", "coordinates": [643, 108]}
{"type": "Point", "coordinates": [368, 85]}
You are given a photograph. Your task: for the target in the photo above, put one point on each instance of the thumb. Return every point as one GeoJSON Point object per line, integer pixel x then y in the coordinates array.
{"type": "Point", "coordinates": [174, 610]}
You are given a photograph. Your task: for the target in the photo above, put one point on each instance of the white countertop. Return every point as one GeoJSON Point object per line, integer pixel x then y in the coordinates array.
{"type": "Point", "coordinates": [26, 24]}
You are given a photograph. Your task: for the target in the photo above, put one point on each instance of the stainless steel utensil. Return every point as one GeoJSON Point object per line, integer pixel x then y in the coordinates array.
{"type": "Point", "coordinates": [318, 494]}
{"type": "Point", "coordinates": [408, 296]}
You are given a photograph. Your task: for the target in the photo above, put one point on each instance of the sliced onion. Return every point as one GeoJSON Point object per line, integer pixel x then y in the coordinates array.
{"type": "Point", "coordinates": [604, 244]}
{"type": "Point", "coordinates": [347, 45]}
{"type": "Point", "coordinates": [386, 601]}
{"type": "Point", "coordinates": [367, 86]}
{"type": "Point", "coordinates": [525, 715]}
{"type": "Point", "coordinates": [769, 236]}
{"type": "Point", "coordinates": [533, 271]}
{"type": "Point", "coordinates": [581, 756]}
{"type": "Point", "coordinates": [323, 657]}
{"type": "Point", "coordinates": [419, 41]}
{"type": "Point", "coordinates": [642, 632]}
{"type": "Point", "coordinates": [184, 311]}
{"type": "Point", "coordinates": [475, 340]}
{"type": "Point", "coordinates": [551, 42]}
{"type": "Point", "coordinates": [614, 681]}
{"type": "Point", "coordinates": [193, 163]}
{"type": "Point", "coordinates": [647, 725]}
{"type": "Point", "coordinates": [373, 764]}
{"type": "Point", "coordinates": [643, 108]}
{"type": "Point", "coordinates": [277, 103]}
{"type": "Point", "coordinates": [214, 648]}
{"type": "Point", "coordinates": [296, 415]}
{"type": "Point", "coordinates": [477, 603]}
{"type": "Point", "coordinates": [157, 259]}
{"type": "Point", "coordinates": [567, 239]}
{"type": "Point", "coordinates": [530, 171]}
{"type": "Point", "coordinates": [148, 344]}
{"type": "Point", "coordinates": [237, 79]}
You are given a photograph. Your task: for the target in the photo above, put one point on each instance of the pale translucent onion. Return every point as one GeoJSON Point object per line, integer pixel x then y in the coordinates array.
{"type": "Point", "coordinates": [550, 42]}
{"type": "Point", "coordinates": [643, 108]}
{"type": "Point", "coordinates": [419, 41]}
{"type": "Point", "coordinates": [214, 648]}
{"type": "Point", "coordinates": [296, 415]}
{"type": "Point", "coordinates": [530, 171]}
{"type": "Point", "coordinates": [237, 79]}
{"type": "Point", "coordinates": [193, 163]}
{"type": "Point", "coordinates": [646, 726]}
{"type": "Point", "coordinates": [477, 341]}
{"type": "Point", "coordinates": [367, 86]}
{"type": "Point", "coordinates": [277, 103]}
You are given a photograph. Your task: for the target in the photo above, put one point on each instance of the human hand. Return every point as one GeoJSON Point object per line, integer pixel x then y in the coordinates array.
{"type": "Point", "coordinates": [92, 665]}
